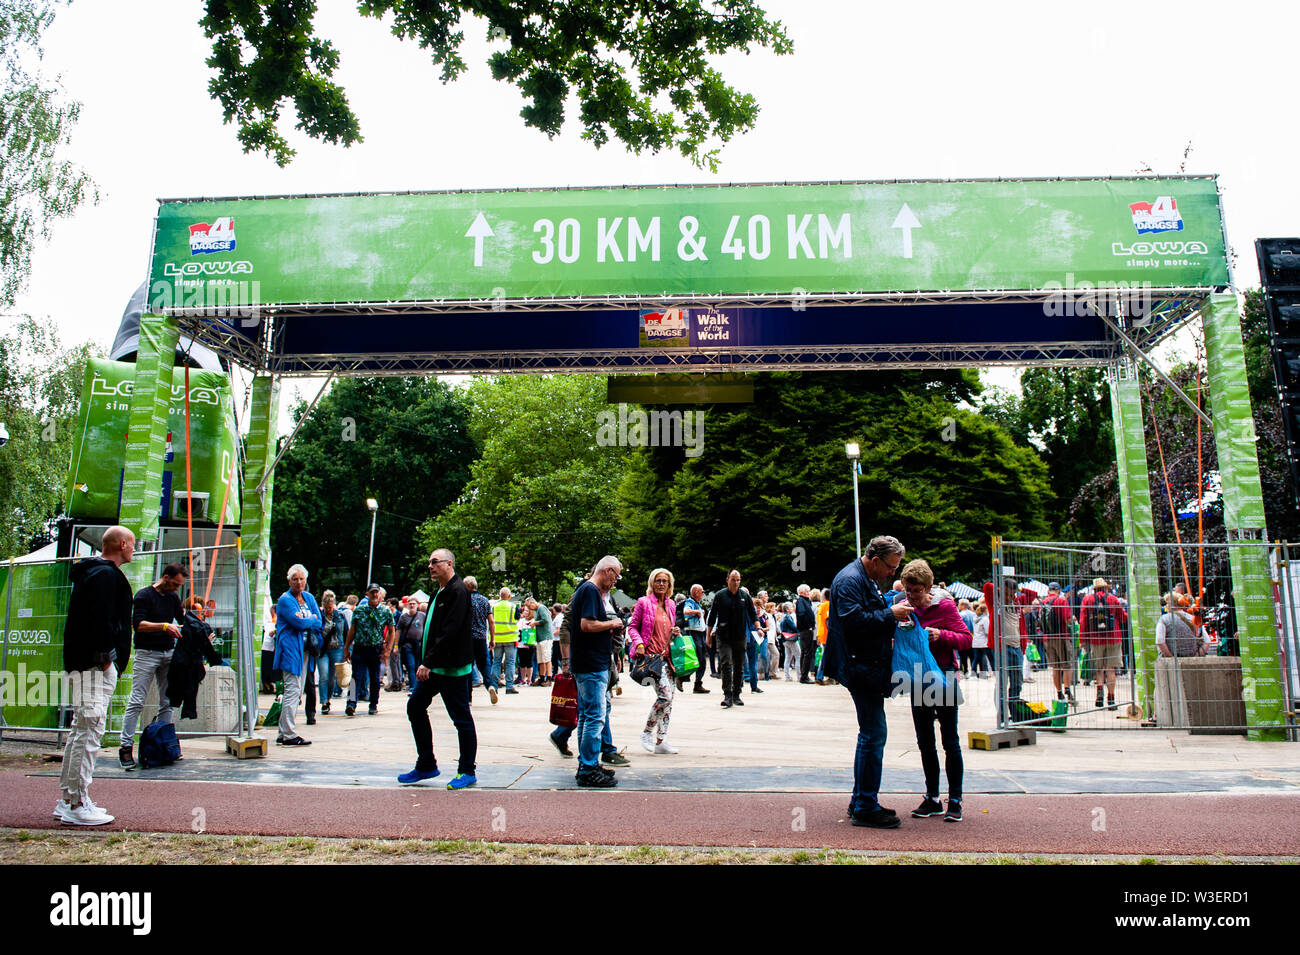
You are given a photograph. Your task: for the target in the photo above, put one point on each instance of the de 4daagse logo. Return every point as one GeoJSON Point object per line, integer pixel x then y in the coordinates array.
{"type": "Point", "coordinates": [216, 236]}
{"type": "Point", "coordinates": [1159, 216]}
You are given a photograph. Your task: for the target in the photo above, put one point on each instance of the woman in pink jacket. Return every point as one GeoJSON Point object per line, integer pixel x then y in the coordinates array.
{"type": "Point", "coordinates": [948, 636]}
{"type": "Point", "coordinates": [651, 630]}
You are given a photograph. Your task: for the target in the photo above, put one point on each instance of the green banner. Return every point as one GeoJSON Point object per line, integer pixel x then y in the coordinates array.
{"type": "Point", "coordinates": [259, 453]}
{"type": "Point", "coordinates": [146, 433]}
{"type": "Point", "coordinates": [99, 456]}
{"type": "Point", "coordinates": [1243, 516]}
{"type": "Point", "coordinates": [33, 608]}
{"type": "Point", "coordinates": [782, 240]}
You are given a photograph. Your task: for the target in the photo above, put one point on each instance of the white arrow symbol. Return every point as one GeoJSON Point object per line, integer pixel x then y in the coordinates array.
{"type": "Point", "coordinates": [478, 231]}
{"type": "Point", "coordinates": [907, 221]}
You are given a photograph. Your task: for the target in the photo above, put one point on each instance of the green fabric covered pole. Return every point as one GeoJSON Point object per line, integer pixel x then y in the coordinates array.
{"type": "Point", "coordinates": [255, 531]}
{"type": "Point", "coordinates": [1243, 516]}
{"type": "Point", "coordinates": [1139, 529]}
{"type": "Point", "coordinates": [146, 446]}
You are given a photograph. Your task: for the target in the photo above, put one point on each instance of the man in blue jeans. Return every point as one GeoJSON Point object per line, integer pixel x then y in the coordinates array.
{"type": "Point", "coordinates": [594, 622]}
{"type": "Point", "coordinates": [859, 653]}
{"type": "Point", "coordinates": [609, 754]}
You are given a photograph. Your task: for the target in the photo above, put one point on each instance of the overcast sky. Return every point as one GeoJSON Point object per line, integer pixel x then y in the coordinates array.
{"type": "Point", "coordinates": [872, 91]}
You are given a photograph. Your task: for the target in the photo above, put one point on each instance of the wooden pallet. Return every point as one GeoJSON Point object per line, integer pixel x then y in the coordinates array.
{"type": "Point", "coordinates": [242, 747]}
{"type": "Point", "coordinates": [1001, 739]}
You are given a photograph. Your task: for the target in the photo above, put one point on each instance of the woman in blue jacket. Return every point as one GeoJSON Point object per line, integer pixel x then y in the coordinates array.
{"type": "Point", "coordinates": [295, 613]}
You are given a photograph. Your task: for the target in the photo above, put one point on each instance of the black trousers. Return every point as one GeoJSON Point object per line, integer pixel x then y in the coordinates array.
{"type": "Point", "coordinates": [481, 655]}
{"type": "Point", "coordinates": [309, 691]}
{"type": "Point", "coordinates": [807, 648]}
{"type": "Point", "coordinates": [701, 653]}
{"type": "Point", "coordinates": [731, 661]}
{"type": "Point", "coordinates": [923, 720]}
{"type": "Point", "coordinates": [455, 692]}
{"type": "Point", "coordinates": [366, 658]}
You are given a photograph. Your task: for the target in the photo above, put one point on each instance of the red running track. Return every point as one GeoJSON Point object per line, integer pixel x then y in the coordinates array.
{"type": "Point", "coordinates": [1193, 825]}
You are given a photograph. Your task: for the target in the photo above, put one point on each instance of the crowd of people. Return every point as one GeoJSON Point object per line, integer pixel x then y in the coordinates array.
{"type": "Point", "coordinates": [867, 632]}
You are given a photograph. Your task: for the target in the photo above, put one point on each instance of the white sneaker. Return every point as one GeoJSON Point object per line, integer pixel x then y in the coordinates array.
{"type": "Point", "coordinates": [87, 815]}
{"type": "Point", "coordinates": [647, 742]}
{"type": "Point", "coordinates": [666, 749]}
{"type": "Point", "coordinates": [63, 807]}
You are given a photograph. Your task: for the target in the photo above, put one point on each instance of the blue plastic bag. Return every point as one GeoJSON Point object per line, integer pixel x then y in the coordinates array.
{"type": "Point", "coordinates": [916, 672]}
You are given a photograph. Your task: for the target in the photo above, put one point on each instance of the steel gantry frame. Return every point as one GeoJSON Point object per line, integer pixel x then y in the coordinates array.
{"type": "Point", "coordinates": [1152, 316]}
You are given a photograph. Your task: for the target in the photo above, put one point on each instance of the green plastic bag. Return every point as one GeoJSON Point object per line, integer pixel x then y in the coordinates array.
{"type": "Point", "coordinates": [1060, 709]}
{"type": "Point", "coordinates": [685, 660]}
{"type": "Point", "coordinates": [1033, 654]}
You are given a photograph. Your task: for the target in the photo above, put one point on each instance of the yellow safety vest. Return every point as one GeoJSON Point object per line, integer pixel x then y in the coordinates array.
{"type": "Point", "coordinates": [504, 623]}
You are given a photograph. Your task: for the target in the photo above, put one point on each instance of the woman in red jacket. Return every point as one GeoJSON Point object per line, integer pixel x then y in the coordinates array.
{"type": "Point", "coordinates": [948, 636]}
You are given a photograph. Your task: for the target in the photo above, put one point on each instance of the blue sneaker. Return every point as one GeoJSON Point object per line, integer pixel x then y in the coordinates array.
{"type": "Point", "coordinates": [416, 776]}
{"type": "Point", "coordinates": [462, 781]}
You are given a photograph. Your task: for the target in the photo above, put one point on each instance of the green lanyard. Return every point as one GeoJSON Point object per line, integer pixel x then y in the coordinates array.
{"type": "Point", "coordinates": [428, 619]}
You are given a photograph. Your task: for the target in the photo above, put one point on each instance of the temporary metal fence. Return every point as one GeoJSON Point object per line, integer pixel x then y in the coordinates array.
{"type": "Point", "coordinates": [1172, 665]}
{"type": "Point", "coordinates": [34, 693]}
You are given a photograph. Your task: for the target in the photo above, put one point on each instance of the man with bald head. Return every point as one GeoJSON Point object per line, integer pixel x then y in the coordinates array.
{"type": "Point", "coordinates": [446, 662]}
{"type": "Point", "coordinates": [693, 611]}
{"type": "Point", "coordinates": [96, 640]}
{"type": "Point", "coordinates": [731, 617]}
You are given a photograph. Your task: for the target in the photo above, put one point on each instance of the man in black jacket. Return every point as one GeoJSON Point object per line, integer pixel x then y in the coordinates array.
{"type": "Point", "coordinates": [731, 617]}
{"type": "Point", "coordinates": [859, 653]}
{"type": "Point", "coordinates": [446, 662]}
{"type": "Point", "coordinates": [155, 612]}
{"type": "Point", "coordinates": [96, 637]}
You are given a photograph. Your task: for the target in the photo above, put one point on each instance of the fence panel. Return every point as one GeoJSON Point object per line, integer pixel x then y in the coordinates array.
{"type": "Point", "coordinates": [33, 685]}
{"type": "Point", "coordinates": [1122, 664]}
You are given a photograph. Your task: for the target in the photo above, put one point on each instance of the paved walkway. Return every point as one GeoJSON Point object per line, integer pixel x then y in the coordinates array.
{"type": "Point", "coordinates": [1195, 825]}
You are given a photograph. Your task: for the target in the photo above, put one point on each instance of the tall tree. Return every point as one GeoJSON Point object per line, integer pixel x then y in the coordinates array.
{"type": "Point", "coordinates": [404, 442]}
{"type": "Point", "coordinates": [1067, 413]}
{"type": "Point", "coordinates": [771, 494]}
{"type": "Point", "coordinates": [639, 69]}
{"type": "Point", "coordinates": [539, 507]}
{"type": "Point", "coordinates": [40, 392]}
{"type": "Point", "coordinates": [36, 185]}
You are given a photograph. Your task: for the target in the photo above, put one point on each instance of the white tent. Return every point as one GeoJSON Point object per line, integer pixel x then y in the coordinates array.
{"type": "Point", "coordinates": [42, 556]}
{"type": "Point", "coordinates": [963, 592]}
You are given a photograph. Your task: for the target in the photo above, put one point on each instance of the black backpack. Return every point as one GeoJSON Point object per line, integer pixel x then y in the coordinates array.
{"type": "Point", "coordinates": [159, 745]}
{"type": "Point", "coordinates": [1103, 616]}
{"type": "Point", "coordinates": [1052, 625]}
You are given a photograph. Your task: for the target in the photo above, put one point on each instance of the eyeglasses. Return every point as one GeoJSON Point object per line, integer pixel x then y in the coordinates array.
{"type": "Point", "coordinates": [440, 560]}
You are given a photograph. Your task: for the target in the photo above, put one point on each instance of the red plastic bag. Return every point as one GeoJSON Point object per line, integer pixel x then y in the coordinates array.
{"type": "Point", "coordinates": [564, 700]}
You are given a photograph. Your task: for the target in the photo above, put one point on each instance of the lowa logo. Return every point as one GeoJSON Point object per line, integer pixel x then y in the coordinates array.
{"type": "Point", "coordinates": [27, 637]}
{"type": "Point", "coordinates": [1157, 247]}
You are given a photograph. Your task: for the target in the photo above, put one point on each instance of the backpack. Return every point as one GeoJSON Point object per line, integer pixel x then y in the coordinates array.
{"type": "Point", "coordinates": [1052, 620]}
{"type": "Point", "coordinates": [1103, 616]}
{"type": "Point", "coordinates": [158, 745]}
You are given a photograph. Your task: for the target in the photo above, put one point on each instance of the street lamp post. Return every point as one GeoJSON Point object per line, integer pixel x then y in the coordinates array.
{"type": "Point", "coordinates": [374, 514]}
{"type": "Point", "coordinates": [854, 452]}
